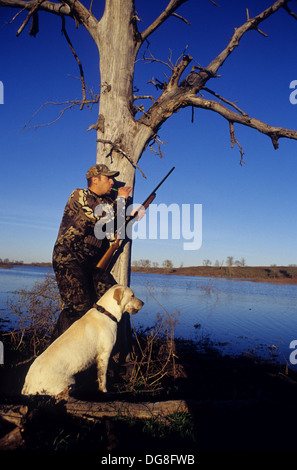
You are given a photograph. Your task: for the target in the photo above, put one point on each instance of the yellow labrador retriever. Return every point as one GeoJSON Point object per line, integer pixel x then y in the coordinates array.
{"type": "Point", "coordinates": [88, 340]}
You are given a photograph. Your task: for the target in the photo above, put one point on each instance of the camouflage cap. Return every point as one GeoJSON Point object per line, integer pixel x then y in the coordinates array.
{"type": "Point", "coordinates": [100, 169]}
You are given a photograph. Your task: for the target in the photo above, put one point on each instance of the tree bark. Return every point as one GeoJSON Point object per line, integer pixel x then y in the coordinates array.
{"type": "Point", "coordinates": [120, 139]}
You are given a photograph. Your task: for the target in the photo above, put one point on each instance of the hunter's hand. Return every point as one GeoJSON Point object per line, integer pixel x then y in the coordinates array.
{"type": "Point", "coordinates": [124, 191]}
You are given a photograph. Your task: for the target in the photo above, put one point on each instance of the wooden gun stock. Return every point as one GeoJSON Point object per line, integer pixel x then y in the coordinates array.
{"type": "Point", "coordinates": [106, 258]}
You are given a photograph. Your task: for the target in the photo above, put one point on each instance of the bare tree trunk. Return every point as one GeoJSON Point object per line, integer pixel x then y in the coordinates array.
{"type": "Point", "coordinates": [120, 140]}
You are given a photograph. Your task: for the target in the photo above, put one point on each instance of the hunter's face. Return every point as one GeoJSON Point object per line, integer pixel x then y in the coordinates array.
{"type": "Point", "coordinates": [106, 183]}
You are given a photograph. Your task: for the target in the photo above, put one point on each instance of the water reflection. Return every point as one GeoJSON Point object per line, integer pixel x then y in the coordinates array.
{"type": "Point", "coordinates": [244, 314]}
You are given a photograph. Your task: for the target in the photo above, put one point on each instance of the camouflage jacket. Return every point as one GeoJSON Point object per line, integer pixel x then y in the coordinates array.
{"type": "Point", "coordinates": [76, 240]}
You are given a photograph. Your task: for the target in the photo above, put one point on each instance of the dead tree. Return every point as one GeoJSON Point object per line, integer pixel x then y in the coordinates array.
{"type": "Point", "coordinates": [123, 128]}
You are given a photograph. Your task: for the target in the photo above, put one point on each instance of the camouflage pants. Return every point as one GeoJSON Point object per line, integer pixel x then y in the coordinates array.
{"type": "Point", "coordinates": [80, 286]}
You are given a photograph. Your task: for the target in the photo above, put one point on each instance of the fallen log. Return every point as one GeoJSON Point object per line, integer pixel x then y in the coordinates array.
{"type": "Point", "coordinates": [12, 440]}
{"type": "Point", "coordinates": [111, 409]}
{"type": "Point", "coordinates": [15, 414]}
{"type": "Point", "coordinates": [18, 414]}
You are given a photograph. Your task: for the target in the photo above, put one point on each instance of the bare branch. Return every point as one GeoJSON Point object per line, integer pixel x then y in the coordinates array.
{"type": "Point", "coordinates": [82, 14]}
{"type": "Point", "coordinates": [235, 141]}
{"type": "Point", "coordinates": [70, 103]}
{"type": "Point", "coordinates": [144, 97]}
{"type": "Point", "coordinates": [140, 109]}
{"type": "Point", "coordinates": [169, 10]}
{"type": "Point", "coordinates": [181, 18]}
{"type": "Point", "coordinates": [15, 16]}
{"type": "Point", "coordinates": [172, 100]}
{"type": "Point", "coordinates": [157, 83]}
{"type": "Point", "coordinates": [214, 3]}
{"type": "Point", "coordinates": [82, 78]}
{"type": "Point", "coordinates": [158, 142]}
{"type": "Point", "coordinates": [290, 12]}
{"type": "Point", "coordinates": [71, 8]}
{"type": "Point", "coordinates": [225, 101]}
{"type": "Point", "coordinates": [178, 70]}
{"type": "Point", "coordinates": [251, 23]}
{"type": "Point", "coordinates": [30, 14]}
{"type": "Point", "coordinates": [256, 28]}
{"type": "Point", "coordinates": [175, 96]}
{"type": "Point", "coordinates": [196, 80]}
{"type": "Point", "coordinates": [114, 146]}
{"type": "Point", "coordinates": [275, 133]}
{"type": "Point", "coordinates": [56, 8]}
{"type": "Point", "coordinates": [152, 59]}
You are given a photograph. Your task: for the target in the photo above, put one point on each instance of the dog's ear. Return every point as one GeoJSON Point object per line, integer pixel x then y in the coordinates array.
{"type": "Point", "coordinates": [118, 294]}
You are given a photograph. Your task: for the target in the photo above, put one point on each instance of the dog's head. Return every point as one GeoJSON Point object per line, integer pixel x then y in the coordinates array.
{"type": "Point", "coordinates": [125, 298]}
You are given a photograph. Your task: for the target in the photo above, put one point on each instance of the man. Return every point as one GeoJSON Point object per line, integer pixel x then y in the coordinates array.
{"type": "Point", "coordinates": [77, 250]}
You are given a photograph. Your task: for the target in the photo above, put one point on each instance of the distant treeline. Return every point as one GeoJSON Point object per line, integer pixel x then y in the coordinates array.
{"type": "Point", "coordinates": [7, 263]}
{"type": "Point", "coordinates": [168, 264]}
{"type": "Point", "coordinates": [286, 274]}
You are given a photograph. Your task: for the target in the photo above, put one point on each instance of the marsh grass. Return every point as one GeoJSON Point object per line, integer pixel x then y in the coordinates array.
{"type": "Point", "coordinates": [35, 311]}
{"type": "Point", "coordinates": [154, 352]}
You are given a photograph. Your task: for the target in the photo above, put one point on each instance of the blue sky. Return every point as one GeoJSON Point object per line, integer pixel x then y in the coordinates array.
{"type": "Point", "coordinates": [248, 211]}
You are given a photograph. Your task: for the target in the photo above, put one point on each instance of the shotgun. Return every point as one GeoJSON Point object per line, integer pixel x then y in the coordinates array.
{"type": "Point", "coordinates": [108, 255]}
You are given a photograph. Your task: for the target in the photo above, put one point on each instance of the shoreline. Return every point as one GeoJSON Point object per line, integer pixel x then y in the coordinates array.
{"type": "Point", "coordinates": [271, 274]}
{"type": "Point", "coordinates": [11, 265]}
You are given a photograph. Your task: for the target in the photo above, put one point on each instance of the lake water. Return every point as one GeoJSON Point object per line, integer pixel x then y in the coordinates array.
{"type": "Point", "coordinates": [245, 316]}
